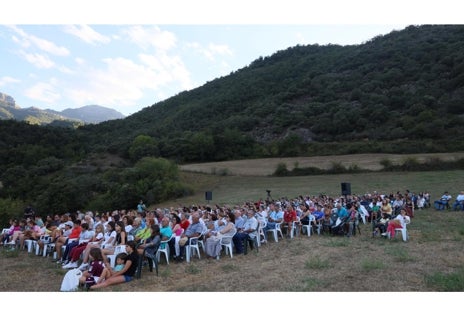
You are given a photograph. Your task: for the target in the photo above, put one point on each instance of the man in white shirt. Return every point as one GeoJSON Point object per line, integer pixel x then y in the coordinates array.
{"type": "Point", "coordinates": [240, 238]}
{"type": "Point", "coordinates": [459, 202]}
{"type": "Point", "coordinates": [443, 202]}
{"type": "Point", "coordinates": [275, 216]}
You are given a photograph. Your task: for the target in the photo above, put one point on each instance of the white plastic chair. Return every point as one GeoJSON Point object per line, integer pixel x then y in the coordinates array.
{"type": "Point", "coordinates": [403, 230]}
{"type": "Point", "coordinates": [30, 245]}
{"type": "Point", "coordinates": [261, 234]}
{"type": "Point", "coordinates": [295, 229]}
{"type": "Point", "coordinates": [201, 242]}
{"type": "Point", "coordinates": [45, 239]}
{"type": "Point", "coordinates": [308, 227]}
{"type": "Point", "coordinates": [318, 226]}
{"type": "Point", "coordinates": [48, 249]}
{"type": "Point", "coordinates": [117, 250]}
{"type": "Point", "coordinates": [193, 247]}
{"type": "Point", "coordinates": [164, 249]}
{"type": "Point", "coordinates": [227, 243]}
{"type": "Point", "coordinates": [275, 231]}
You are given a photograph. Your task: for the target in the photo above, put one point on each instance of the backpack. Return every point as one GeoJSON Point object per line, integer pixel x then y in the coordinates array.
{"type": "Point", "coordinates": [71, 280]}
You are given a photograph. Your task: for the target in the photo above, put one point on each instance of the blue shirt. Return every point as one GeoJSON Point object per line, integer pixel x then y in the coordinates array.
{"type": "Point", "coordinates": [342, 212]}
{"type": "Point", "coordinates": [276, 215]}
{"type": "Point", "coordinates": [239, 222]}
{"type": "Point", "coordinates": [318, 214]}
{"type": "Point", "coordinates": [166, 231]}
{"type": "Point", "coordinates": [194, 228]}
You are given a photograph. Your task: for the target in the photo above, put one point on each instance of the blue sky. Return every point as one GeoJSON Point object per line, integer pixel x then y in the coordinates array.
{"type": "Point", "coordinates": [72, 59]}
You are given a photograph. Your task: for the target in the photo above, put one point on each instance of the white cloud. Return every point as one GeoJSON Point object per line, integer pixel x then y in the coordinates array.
{"type": "Point", "coordinates": [211, 51]}
{"type": "Point", "coordinates": [8, 80]}
{"type": "Point", "coordinates": [151, 36]}
{"type": "Point", "coordinates": [38, 60]}
{"type": "Point", "coordinates": [167, 69]}
{"type": "Point", "coordinates": [43, 92]}
{"type": "Point", "coordinates": [120, 83]}
{"type": "Point", "coordinates": [86, 34]}
{"type": "Point", "coordinates": [79, 60]}
{"type": "Point", "coordinates": [220, 49]}
{"type": "Point", "coordinates": [26, 40]}
{"type": "Point", "coordinates": [123, 82]}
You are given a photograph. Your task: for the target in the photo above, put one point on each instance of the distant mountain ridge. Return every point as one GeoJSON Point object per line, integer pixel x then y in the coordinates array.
{"type": "Point", "coordinates": [90, 114]}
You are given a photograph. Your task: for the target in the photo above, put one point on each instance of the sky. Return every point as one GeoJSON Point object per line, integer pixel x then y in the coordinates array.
{"type": "Point", "coordinates": [129, 59]}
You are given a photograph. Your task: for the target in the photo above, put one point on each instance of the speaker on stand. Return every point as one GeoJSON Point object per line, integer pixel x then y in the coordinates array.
{"type": "Point", "coordinates": [346, 189]}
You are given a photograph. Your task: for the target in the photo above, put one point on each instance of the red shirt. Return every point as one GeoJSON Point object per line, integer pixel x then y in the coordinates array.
{"type": "Point", "coordinates": [184, 224]}
{"type": "Point", "coordinates": [75, 232]}
{"type": "Point", "coordinates": [290, 216]}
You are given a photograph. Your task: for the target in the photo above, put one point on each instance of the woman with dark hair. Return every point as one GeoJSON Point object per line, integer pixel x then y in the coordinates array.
{"type": "Point", "coordinates": [92, 275]}
{"type": "Point", "coordinates": [177, 231]}
{"type": "Point", "coordinates": [121, 239]}
{"type": "Point", "coordinates": [149, 247]}
{"type": "Point", "coordinates": [127, 273]}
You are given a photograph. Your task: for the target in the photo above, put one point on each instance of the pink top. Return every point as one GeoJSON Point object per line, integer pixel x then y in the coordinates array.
{"type": "Point", "coordinates": [177, 230]}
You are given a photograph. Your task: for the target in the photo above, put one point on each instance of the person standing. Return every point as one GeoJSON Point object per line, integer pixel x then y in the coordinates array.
{"type": "Point", "coordinates": [141, 208]}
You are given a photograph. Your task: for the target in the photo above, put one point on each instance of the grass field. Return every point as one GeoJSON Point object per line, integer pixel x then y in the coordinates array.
{"type": "Point", "coordinates": [266, 167]}
{"type": "Point", "coordinates": [432, 260]}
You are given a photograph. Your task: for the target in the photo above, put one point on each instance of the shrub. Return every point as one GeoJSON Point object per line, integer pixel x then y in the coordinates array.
{"type": "Point", "coordinates": [281, 170]}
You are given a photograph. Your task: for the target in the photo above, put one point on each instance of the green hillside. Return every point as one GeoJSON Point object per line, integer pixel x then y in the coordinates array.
{"type": "Point", "coordinates": [398, 93]}
{"type": "Point", "coordinates": [387, 94]}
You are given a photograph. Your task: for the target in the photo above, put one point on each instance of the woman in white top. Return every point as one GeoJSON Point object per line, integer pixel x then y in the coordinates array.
{"type": "Point", "coordinates": [212, 244]}
{"type": "Point", "coordinates": [108, 240]}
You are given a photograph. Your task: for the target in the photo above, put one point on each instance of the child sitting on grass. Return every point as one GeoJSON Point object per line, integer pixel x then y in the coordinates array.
{"type": "Point", "coordinates": [107, 271]}
{"type": "Point", "coordinates": [96, 269]}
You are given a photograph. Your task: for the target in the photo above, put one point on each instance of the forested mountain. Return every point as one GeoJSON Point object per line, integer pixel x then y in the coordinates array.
{"type": "Point", "coordinates": [398, 88]}
{"type": "Point", "coordinates": [398, 93]}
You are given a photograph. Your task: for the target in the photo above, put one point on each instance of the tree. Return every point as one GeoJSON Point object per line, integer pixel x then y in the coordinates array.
{"type": "Point", "coordinates": [143, 146]}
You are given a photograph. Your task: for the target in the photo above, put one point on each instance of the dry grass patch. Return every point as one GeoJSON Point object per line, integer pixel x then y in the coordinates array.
{"type": "Point", "coordinates": [267, 166]}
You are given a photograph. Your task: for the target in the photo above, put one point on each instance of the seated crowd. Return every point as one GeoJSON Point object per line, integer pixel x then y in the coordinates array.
{"type": "Point", "coordinates": [87, 241]}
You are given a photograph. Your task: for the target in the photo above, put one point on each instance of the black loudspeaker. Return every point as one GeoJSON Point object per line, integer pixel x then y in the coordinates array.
{"type": "Point", "coordinates": [346, 189]}
{"type": "Point", "coordinates": [208, 195]}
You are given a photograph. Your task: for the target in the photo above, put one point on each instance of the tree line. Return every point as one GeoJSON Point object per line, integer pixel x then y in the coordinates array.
{"type": "Point", "coordinates": [398, 93]}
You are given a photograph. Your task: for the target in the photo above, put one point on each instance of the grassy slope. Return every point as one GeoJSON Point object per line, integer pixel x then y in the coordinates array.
{"type": "Point", "coordinates": [237, 189]}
